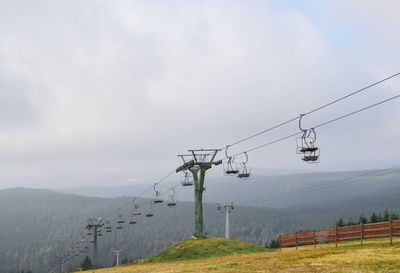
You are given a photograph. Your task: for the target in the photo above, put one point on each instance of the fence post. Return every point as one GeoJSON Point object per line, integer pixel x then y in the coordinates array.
{"type": "Point", "coordinates": [280, 249]}
{"type": "Point", "coordinates": [391, 231]}
{"type": "Point", "coordinates": [361, 233]}
{"type": "Point", "coordinates": [336, 235]}
{"type": "Point", "coordinates": [315, 243]}
{"type": "Point", "coordinates": [296, 240]}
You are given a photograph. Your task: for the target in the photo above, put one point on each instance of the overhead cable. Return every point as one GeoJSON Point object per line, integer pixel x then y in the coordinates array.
{"type": "Point", "coordinates": [316, 109]}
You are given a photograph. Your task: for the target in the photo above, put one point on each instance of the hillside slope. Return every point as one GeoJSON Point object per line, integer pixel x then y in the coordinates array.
{"type": "Point", "coordinates": [205, 248]}
{"type": "Point", "coordinates": [373, 256]}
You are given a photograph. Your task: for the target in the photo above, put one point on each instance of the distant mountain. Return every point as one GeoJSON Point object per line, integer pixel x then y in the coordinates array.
{"type": "Point", "coordinates": [282, 191]}
{"type": "Point", "coordinates": [37, 224]}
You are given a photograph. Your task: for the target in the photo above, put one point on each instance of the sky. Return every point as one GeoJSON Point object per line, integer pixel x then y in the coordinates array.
{"type": "Point", "coordinates": [119, 88]}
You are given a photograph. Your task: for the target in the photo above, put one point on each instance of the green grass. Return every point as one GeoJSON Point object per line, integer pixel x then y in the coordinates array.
{"type": "Point", "coordinates": [204, 248]}
{"type": "Point", "coordinates": [375, 255]}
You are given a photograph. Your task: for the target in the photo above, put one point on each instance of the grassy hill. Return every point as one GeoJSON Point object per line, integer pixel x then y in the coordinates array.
{"type": "Point", "coordinates": [373, 256]}
{"type": "Point", "coordinates": [205, 248]}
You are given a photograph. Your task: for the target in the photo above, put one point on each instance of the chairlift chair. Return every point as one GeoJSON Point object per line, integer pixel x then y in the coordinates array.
{"type": "Point", "coordinates": [157, 196]}
{"type": "Point", "coordinates": [136, 210]}
{"type": "Point", "coordinates": [120, 221]}
{"type": "Point", "coordinates": [245, 171]}
{"type": "Point", "coordinates": [187, 181]}
{"type": "Point", "coordinates": [149, 212]}
{"type": "Point", "coordinates": [230, 168]}
{"type": "Point", "coordinates": [132, 221]}
{"type": "Point", "coordinates": [306, 144]}
{"type": "Point", "coordinates": [172, 202]}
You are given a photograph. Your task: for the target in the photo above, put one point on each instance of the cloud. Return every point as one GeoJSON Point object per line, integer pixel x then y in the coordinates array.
{"type": "Point", "coordinates": [100, 87]}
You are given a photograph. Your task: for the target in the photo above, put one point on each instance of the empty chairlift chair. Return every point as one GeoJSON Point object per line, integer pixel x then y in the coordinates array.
{"type": "Point", "coordinates": [172, 202]}
{"type": "Point", "coordinates": [120, 221]}
{"type": "Point", "coordinates": [150, 211]}
{"type": "Point", "coordinates": [108, 227]}
{"type": "Point", "coordinates": [187, 180]}
{"type": "Point", "coordinates": [306, 145]}
{"type": "Point", "coordinates": [132, 221]}
{"type": "Point", "coordinates": [157, 196]}
{"type": "Point", "coordinates": [244, 172]}
{"type": "Point", "coordinates": [136, 210]}
{"type": "Point", "coordinates": [230, 168]}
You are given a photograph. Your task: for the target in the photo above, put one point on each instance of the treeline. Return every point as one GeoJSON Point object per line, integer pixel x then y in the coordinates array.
{"type": "Point", "coordinates": [37, 225]}
{"type": "Point", "coordinates": [374, 218]}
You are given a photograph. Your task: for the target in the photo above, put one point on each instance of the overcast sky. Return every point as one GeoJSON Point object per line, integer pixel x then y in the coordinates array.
{"type": "Point", "coordinates": [122, 87]}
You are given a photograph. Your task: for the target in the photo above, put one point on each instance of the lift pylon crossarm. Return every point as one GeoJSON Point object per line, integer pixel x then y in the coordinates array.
{"type": "Point", "coordinates": [186, 165]}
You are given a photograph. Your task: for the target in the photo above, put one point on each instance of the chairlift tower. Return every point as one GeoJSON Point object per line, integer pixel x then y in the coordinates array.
{"type": "Point", "coordinates": [117, 252]}
{"type": "Point", "coordinates": [60, 261]}
{"type": "Point", "coordinates": [94, 224]}
{"type": "Point", "coordinates": [228, 209]}
{"type": "Point", "coordinates": [199, 161]}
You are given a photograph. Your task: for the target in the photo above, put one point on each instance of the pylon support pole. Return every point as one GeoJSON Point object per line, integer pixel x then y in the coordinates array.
{"type": "Point", "coordinates": [200, 161]}
{"type": "Point", "coordinates": [228, 209]}
{"type": "Point", "coordinates": [94, 224]}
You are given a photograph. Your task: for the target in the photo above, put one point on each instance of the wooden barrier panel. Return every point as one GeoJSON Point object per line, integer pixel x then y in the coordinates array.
{"type": "Point", "coordinates": [343, 234]}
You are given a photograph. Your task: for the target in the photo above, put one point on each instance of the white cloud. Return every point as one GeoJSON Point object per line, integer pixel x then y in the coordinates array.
{"type": "Point", "coordinates": [112, 85]}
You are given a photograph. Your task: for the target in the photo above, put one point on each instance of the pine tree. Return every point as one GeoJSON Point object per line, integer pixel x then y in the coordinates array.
{"type": "Point", "coordinates": [386, 216]}
{"type": "Point", "coordinates": [363, 219]}
{"type": "Point", "coordinates": [340, 223]}
{"type": "Point", "coordinates": [87, 264]}
{"type": "Point", "coordinates": [350, 222]}
{"type": "Point", "coordinates": [374, 218]}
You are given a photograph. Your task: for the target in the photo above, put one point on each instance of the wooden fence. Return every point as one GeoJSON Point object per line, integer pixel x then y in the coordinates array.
{"type": "Point", "coordinates": [341, 234]}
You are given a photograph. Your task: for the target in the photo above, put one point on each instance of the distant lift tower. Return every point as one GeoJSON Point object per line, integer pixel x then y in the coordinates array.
{"type": "Point", "coordinates": [199, 160]}
{"type": "Point", "coordinates": [228, 209]}
{"type": "Point", "coordinates": [117, 252]}
{"type": "Point", "coordinates": [60, 261]}
{"type": "Point", "coordinates": [95, 224]}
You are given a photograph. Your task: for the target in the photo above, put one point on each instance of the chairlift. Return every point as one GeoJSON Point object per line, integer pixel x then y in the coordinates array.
{"type": "Point", "coordinates": [132, 221]}
{"type": "Point", "coordinates": [230, 168]}
{"type": "Point", "coordinates": [187, 181]}
{"type": "Point", "coordinates": [172, 202]}
{"type": "Point", "coordinates": [136, 210]}
{"type": "Point", "coordinates": [149, 212]}
{"type": "Point", "coordinates": [157, 196]}
{"type": "Point", "coordinates": [108, 226]}
{"type": "Point", "coordinates": [120, 221]}
{"type": "Point", "coordinates": [306, 144]}
{"type": "Point", "coordinates": [245, 171]}
{"type": "Point", "coordinates": [90, 234]}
